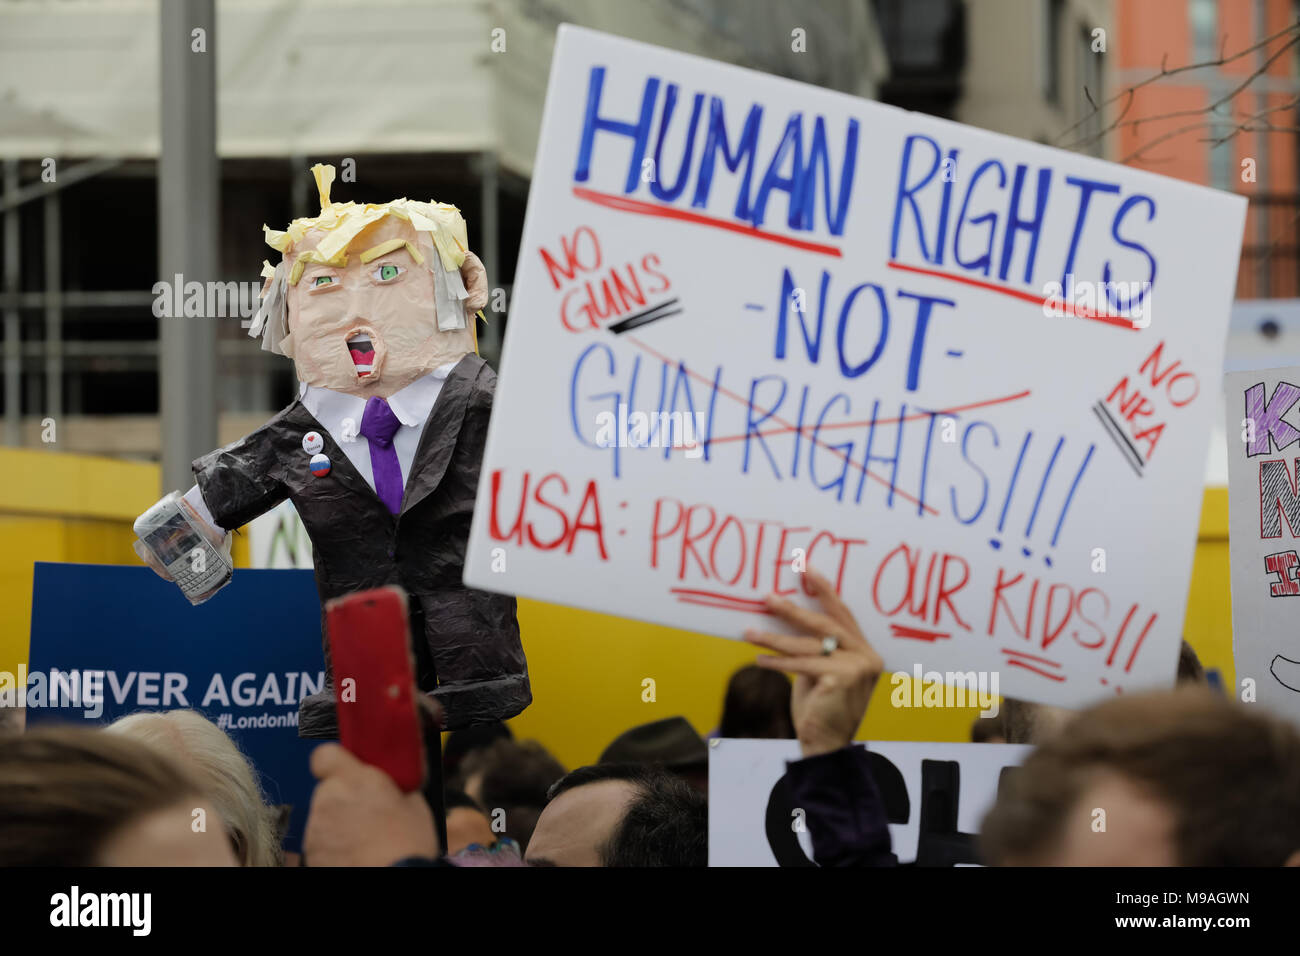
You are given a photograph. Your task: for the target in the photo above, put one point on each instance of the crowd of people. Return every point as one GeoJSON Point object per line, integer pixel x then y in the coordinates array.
{"type": "Point", "coordinates": [1185, 776]}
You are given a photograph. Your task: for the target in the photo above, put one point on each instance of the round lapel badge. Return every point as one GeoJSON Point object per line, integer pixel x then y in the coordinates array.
{"type": "Point", "coordinates": [312, 443]}
{"type": "Point", "coordinates": [320, 466]}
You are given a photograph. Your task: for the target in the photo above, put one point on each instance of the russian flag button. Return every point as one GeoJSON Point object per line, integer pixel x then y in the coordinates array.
{"type": "Point", "coordinates": [320, 466]}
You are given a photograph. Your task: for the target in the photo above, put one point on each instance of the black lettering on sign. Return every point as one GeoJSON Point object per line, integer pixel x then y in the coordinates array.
{"type": "Point", "coordinates": [940, 843]}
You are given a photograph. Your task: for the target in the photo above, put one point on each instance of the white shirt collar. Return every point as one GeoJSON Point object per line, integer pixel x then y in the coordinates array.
{"type": "Point", "coordinates": [411, 404]}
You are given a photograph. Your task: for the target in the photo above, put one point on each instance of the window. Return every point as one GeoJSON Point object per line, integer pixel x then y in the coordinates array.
{"type": "Point", "coordinates": [1053, 17]}
{"type": "Point", "coordinates": [1203, 16]}
{"type": "Point", "coordinates": [1089, 77]}
{"type": "Point", "coordinates": [1221, 156]}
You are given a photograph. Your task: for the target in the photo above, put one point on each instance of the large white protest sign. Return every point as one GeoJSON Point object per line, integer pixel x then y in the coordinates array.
{"type": "Point", "coordinates": [1263, 521]}
{"type": "Point", "coordinates": [934, 795]}
{"type": "Point", "coordinates": [759, 326]}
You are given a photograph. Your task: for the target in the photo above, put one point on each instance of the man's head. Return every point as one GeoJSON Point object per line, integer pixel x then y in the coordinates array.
{"type": "Point", "coordinates": [369, 298]}
{"type": "Point", "coordinates": [757, 705]}
{"type": "Point", "coordinates": [1024, 722]}
{"type": "Point", "coordinates": [466, 823]}
{"type": "Point", "coordinates": [621, 815]}
{"type": "Point", "coordinates": [671, 743]}
{"type": "Point", "coordinates": [512, 778]}
{"type": "Point", "coordinates": [1180, 777]}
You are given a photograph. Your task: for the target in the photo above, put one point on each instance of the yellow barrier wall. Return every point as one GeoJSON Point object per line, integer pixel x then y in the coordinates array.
{"type": "Point", "coordinates": [587, 669]}
{"type": "Point", "coordinates": [74, 508]}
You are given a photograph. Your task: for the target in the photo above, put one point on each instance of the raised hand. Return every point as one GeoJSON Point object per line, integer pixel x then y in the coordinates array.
{"type": "Point", "coordinates": [835, 667]}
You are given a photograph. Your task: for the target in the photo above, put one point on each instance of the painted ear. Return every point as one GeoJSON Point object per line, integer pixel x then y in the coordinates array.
{"type": "Point", "coordinates": [474, 275]}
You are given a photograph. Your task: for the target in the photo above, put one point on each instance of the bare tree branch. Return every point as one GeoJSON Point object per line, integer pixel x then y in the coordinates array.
{"type": "Point", "coordinates": [1217, 128]}
{"type": "Point", "coordinates": [1120, 123]}
{"type": "Point", "coordinates": [1128, 93]}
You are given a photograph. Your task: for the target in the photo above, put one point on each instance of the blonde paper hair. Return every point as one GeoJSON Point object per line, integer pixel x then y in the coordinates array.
{"type": "Point", "coordinates": [440, 224]}
{"type": "Point", "coordinates": [228, 779]}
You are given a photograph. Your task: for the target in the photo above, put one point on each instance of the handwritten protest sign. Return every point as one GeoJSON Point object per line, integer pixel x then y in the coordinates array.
{"type": "Point", "coordinates": [759, 326]}
{"type": "Point", "coordinates": [934, 795]}
{"type": "Point", "coordinates": [1264, 520]}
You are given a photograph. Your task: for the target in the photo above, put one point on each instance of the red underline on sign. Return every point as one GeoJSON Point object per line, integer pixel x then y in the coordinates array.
{"type": "Point", "coordinates": [643, 208]}
{"type": "Point", "coordinates": [1066, 307]}
{"type": "Point", "coordinates": [725, 602]}
{"type": "Point", "coordinates": [917, 633]}
{"type": "Point", "coordinates": [834, 451]}
{"type": "Point", "coordinates": [1032, 657]}
{"type": "Point", "coordinates": [1035, 670]}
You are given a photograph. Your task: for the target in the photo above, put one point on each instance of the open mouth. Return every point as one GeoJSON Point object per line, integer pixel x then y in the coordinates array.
{"type": "Point", "coordinates": [363, 353]}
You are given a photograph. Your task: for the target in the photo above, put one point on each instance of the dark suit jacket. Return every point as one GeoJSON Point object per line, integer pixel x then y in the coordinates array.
{"type": "Point", "coordinates": [466, 642]}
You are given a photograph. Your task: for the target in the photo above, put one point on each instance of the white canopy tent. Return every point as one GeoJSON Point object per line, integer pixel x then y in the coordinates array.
{"type": "Point", "coordinates": [80, 77]}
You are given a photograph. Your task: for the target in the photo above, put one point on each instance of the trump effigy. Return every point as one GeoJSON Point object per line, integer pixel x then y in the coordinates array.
{"type": "Point", "coordinates": [380, 453]}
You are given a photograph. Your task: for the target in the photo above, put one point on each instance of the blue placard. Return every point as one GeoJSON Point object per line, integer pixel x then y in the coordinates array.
{"type": "Point", "coordinates": [109, 641]}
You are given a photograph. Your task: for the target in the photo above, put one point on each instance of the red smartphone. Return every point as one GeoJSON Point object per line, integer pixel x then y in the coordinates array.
{"type": "Point", "coordinates": [374, 681]}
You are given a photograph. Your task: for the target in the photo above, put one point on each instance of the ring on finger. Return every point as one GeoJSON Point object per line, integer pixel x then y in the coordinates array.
{"type": "Point", "coordinates": [830, 643]}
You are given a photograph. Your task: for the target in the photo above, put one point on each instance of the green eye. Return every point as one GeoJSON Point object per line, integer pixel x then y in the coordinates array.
{"type": "Point", "coordinates": [388, 272]}
{"type": "Point", "coordinates": [321, 280]}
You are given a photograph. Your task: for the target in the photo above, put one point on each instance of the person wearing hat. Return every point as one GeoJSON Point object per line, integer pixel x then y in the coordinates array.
{"type": "Point", "coordinates": [671, 743]}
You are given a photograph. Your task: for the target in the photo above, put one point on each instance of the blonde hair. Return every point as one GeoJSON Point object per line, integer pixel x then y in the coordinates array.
{"type": "Point", "coordinates": [338, 224]}
{"type": "Point", "coordinates": [343, 222]}
{"type": "Point", "coordinates": [228, 779]}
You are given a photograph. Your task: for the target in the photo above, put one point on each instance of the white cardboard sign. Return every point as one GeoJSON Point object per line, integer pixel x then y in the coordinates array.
{"type": "Point", "coordinates": [278, 539]}
{"type": "Point", "coordinates": [753, 822]}
{"type": "Point", "coordinates": [1263, 430]}
{"type": "Point", "coordinates": [759, 325]}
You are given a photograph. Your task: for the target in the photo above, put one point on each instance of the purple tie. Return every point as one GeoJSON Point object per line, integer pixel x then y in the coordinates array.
{"type": "Point", "coordinates": [379, 425]}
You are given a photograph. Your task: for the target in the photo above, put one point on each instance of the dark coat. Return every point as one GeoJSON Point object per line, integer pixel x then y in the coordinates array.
{"type": "Point", "coordinates": [843, 806]}
{"type": "Point", "coordinates": [466, 642]}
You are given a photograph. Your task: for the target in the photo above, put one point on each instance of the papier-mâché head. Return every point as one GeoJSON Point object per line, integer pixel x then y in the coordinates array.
{"type": "Point", "coordinates": [369, 298]}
